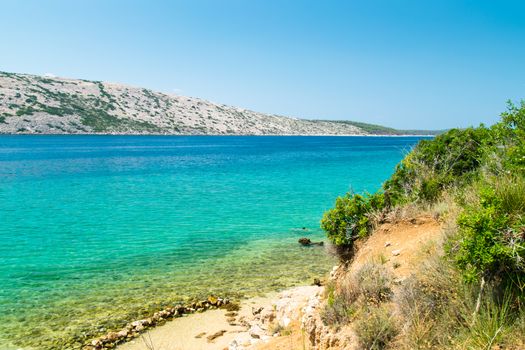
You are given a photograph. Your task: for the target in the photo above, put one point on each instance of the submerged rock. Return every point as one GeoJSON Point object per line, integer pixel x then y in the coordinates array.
{"type": "Point", "coordinates": [308, 242]}
{"type": "Point", "coordinates": [305, 241]}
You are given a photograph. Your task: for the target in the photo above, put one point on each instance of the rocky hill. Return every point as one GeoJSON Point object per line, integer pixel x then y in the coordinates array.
{"type": "Point", "coordinates": [47, 105]}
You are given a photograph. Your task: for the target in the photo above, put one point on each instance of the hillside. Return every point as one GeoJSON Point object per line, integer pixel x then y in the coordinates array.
{"type": "Point", "coordinates": [374, 129]}
{"type": "Point", "coordinates": [33, 104]}
{"type": "Point", "coordinates": [435, 258]}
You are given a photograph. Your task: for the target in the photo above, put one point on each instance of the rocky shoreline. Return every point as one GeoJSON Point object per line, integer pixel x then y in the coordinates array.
{"type": "Point", "coordinates": [256, 323]}
{"type": "Point", "coordinates": [136, 328]}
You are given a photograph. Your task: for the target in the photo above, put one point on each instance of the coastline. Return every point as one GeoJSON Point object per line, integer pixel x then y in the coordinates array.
{"type": "Point", "coordinates": [214, 135]}
{"type": "Point", "coordinates": [258, 323]}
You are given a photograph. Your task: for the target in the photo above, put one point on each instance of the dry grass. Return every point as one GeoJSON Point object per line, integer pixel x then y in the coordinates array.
{"type": "Point", "coordinates": [357, 297]}
{"type": "Point", "coordinates": [339, 308]}
{"type": "Point", "coordinates": [431, 303]}
{"type": "Point", "coordinates": [376, 327]}
{"type": "Point", "coordinates": [511, 190]}
{"type": "Point", "coordinates": [437, 308]}
{"type": "Point", "coordinates": [373, 283]}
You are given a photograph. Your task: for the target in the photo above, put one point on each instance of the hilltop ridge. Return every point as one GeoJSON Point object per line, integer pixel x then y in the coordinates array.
{"type": "Point", "coordinates": [32, 104]}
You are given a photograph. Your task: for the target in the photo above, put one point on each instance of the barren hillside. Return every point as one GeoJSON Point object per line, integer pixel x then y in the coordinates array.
{"type": "Point", "coordinates": [45, 105]}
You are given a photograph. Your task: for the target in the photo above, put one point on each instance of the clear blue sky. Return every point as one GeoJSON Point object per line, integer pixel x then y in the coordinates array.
{"type": "Point", "coordinates": [406, 64]}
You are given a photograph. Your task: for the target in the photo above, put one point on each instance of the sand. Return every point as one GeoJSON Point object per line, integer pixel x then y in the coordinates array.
{"type": "Point", "coordinates": [257, 315]}
{"type": "Point", "coordinates": [191, 332]}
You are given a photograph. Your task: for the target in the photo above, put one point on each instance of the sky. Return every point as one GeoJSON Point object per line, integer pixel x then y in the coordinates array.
{"type": "Point", "coordinates": [418, 64]}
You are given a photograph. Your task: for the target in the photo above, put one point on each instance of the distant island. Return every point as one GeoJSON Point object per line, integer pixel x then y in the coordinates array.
{"type": "Point", "coordinates": [32, 104]}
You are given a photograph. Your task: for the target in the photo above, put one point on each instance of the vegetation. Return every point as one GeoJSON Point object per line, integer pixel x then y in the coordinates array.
{"type": "Point", "coordinates": [350, 219]}
{"type": "Point", "coordinates": [370, 285]}
{"type": "Point", "coordinates": [94, 112]}
{"type": "Point", "coordinates": [376, 328]}
{"type": "Point", "coordinates": [474, 295]}
{"type": "Point", "coordinates": [384, 130]}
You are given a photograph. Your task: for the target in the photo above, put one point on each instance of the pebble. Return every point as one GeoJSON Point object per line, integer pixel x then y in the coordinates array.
{"type": "Point", "coordinates": [215, 335]}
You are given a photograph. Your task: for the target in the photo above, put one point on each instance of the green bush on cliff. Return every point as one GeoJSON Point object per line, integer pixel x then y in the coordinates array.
{"type": "Point", "coordinates": [487, 164]}
{"type": "Point", "coordinates": [492, 232]}
{"type": "Point", "coordinates": [509, 135]}
{"type": "Point", "coordinates": [433, 166]}
{"type": "Point", "coordinates": [350, 218]}
{"type": "Point", "coordinates": [450, 159]}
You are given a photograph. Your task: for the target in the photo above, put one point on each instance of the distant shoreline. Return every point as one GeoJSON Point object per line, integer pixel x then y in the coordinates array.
{"type": "Point", "coordinates": [215, 135]}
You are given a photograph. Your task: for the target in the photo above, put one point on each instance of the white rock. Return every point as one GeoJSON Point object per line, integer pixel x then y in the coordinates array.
{"type": "Point", "coordinates": [234, 345]}
{"type": "Point", "coordinates": [396, 252]}
{"type": "Point", "coordinates": [256, 332]}
{"type": "Point", "coordinates": [285, 321]}
{"type": "Point", "coordinates": [334, 270]}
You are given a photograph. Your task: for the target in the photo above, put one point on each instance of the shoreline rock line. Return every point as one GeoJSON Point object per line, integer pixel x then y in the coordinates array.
{"type": "Point", "coordinates": [134, 329]}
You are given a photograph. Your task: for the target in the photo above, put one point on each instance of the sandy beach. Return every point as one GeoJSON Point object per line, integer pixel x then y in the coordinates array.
{"type": "Point", "coordinates": [258, 324]}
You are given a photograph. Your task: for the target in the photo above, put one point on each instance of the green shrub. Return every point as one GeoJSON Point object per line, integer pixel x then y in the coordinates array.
{"type": "Point", "coordinates": [431, 189]}
{"type": "Point", "coordinates": [433, 165]}
{"type": "Point", "coordinates": [349, 219]}
{"type": "Point", "coordinates": [509, 134]}
{"type": "Point", "coordinates": [25, 111]}
{"type": "Point", "coordinates": [491, 233]}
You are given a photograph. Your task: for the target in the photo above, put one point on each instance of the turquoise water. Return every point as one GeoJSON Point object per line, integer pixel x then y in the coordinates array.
{"type": "Point", "coordinates": [100, 230]}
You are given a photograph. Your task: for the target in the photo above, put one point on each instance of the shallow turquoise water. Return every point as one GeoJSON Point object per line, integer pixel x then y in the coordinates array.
{"type": "Point", "coordinates": [100, 230]}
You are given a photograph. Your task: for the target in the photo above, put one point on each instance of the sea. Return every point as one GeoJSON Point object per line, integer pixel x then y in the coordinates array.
{"type": "Point", "coordinates": [97, 231]}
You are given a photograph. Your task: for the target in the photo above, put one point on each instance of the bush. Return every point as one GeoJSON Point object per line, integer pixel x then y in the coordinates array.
{"type": "Point", "coordinates": [433, 165]}
{"type": "Point", "coordinates": [350, 218]}
{"type": "Point", "coordinates": [25, 111]}
{"type": "Point", "coordinates": [509, 134]}
{"type": "Point", "coordinates": [492, 232]}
